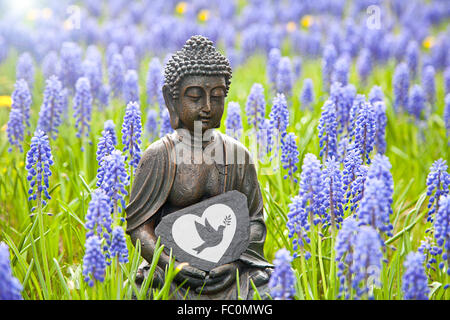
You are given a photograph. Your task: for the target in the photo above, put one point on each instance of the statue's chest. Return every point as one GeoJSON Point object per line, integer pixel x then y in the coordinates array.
{"type": "Point", "coordinates": [193, 183]}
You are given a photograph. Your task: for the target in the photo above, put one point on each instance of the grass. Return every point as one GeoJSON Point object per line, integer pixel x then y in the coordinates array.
{"type": "Point", "coordinates": [47, 249]}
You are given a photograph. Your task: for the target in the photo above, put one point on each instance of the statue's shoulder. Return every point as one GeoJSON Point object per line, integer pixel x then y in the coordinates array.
{"type": "Point", "coordinates": [235, 147]}
{"type": "Point", "coordinates": [158, 148]}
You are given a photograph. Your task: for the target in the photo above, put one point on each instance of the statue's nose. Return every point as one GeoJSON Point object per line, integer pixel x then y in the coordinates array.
{"type": "Point", "coordinates": [207, 106]}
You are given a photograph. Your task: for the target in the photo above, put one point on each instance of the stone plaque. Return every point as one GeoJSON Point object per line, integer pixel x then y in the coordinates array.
{"type": "Point", "coordinates": [209, 233]}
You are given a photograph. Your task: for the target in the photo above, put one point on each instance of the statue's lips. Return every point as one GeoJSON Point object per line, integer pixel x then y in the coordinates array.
{"type": "Point", "coordinates": [205, 118]}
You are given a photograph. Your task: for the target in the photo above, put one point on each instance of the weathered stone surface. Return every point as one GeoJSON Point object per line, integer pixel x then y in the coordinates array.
{"type": "Point", "coordinates": [209, 233]}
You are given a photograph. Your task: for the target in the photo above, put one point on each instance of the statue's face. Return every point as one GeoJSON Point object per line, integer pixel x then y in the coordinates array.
{"type": "Point", "coordinates": [201, 98]}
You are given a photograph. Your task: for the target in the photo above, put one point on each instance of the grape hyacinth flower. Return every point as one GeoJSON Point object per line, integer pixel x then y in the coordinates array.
{"type": "Point", "coordinates": [118, 246]}
{"type": "Point", "coordinates": [255, 107]}
{"type": "Point", "coordinates": [366, 263]}
{"type": "Point", "coordinates": [4, 48]}
{"type": "Point", "coordinates": [10, 287]}
{"type": "Point", "coordinates": [375, 208]}
{"type": "Point", "coordinates": [151, 125]}
{"type": "Point", "coordinates": [442, 230]}
{"type": "Point", "coordinates": [429, 85]}
{"type": "Point", "coordinates": [129, 58]}
{"type": "Point", "coordinates": [71, 64]}
{"type": "Point", "coordinates": [15, 129]}
{"type": "Point", "coordinates": [416, 102]}
{"type": "Point", "coordinates": [282, 280]}
{"type": "Point", "coordinates": [333, 193]}
{"type": "Point", "coordinates": [21, 99]}
{"type": "Point", "coordinates": [447, 115]}
{"type": "Point", "coordinates": [352, 162]}
{"type": "Point", "coordinates": [311, 188]}
{"type": "Point", "coordinates": [94, 262]}
{"type": "Point", "coordinates": [39, 160]}
{"type": "Point", "coordinates": [364, 64]}
{"type": "Point", "coordinates": [289, 155]}
{"type": "Point", "coordinates": [357, 104]}
{"type": "Point", "coordinates": [328, 130]}
{"type": "Point", "coordinates": [298, 226]}
{"type": "Point", "coordinates": [357, 188]}
{"type": "Point", "coordinates": [341, 70]}
{"type": "Point", "coordinates": [265, 140]}
{"type": "Point", "coordinates": [116, 74]}
{"type": "Point", "coordinates": [82, 106]}
{"type": "Point", "coordinates": [412, 57]}
{"type": "Point", "coordinates": [111, 50]}
{"type": "Point", "coordinates": [343, 147]}
{"type": "Point", "coordinates": [25, 69]}
{"type": "Point", "coordinates": [166, 127]}
{"type": "Point", "coordinates": [343, 97]}
{"type": "Point", "coordinates": [65, 102]}
{"type": "Point", "coordinates": [285, 79]}
{"type": "Point", "coordinates": [401, 86]}
{"type": "Point", "coordinates": [131, 87]}
{"type": "Point", "coordinates": [92, 70]}
{"type": "Point", "coordinates": [272, 66]}
{"type": "Point", "coordinates": [155, 82]}
{"type": "Point", "coordinates": [381, 122]}
{"type": "Point", "coordinates": [50, 65]}
{"type": "Point", "coordinates": [115, 179]}
{"type": "Point", "coordinates": [430, 251]}
{"type": "Point", "coordinates": [365, 130]}
{"type": "Point", "coordinates": [103, 96]}
{"type": "Point", "coordinates": [98, 217]}
{"type": "Point", "coordinates": [105, 146]}
{"type": "Point", "coordinates": [233, 122]}
{"type": "Point", "coordinates": [307, 95]}
{"type": "Point", "coordinates": [297, 65]}
{"type": "Point", "coordinates": [447, 80]}
{"type": "Point", "coordinates": [52, 108]}
{"type": "Point", "coordinates": [279, 119]}
{"type": "Point", "coordinates": [376, 95]}
{"type": "Point", "coordinates": [345, 243]}
{"type": "Point", "coordinates": [438, 182]}
{"type": "Point", "coordinates": [131, 133]}
{"type": "Point", "coordinates": [328, 61]}
{"type": "Point", "coordinates": [110, 128]}
{"type": "Point", "coordinates": [415, 280]}
{"type": "Point", "coordinates": [380, 168]}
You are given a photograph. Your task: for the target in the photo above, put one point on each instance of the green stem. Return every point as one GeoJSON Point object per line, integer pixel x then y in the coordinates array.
{"type": "Point", "coordinates": [119, 280]}
{"type": "Point", "coordinates": [322, 272]}
{"type": "Point", "coordinates": [313, 260]}
{"type": "Point", "coordinates": [332, 292]}
{"type": "Point", "coordinates": [42, 243]}
{"type": "Point", "coordinates": [304, 276]}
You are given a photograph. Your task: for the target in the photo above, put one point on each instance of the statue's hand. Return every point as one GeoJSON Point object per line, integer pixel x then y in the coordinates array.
{"type": "Point", "coordinates": [220, 278]}
{"type": "Point", "coordinates": [194, 277]}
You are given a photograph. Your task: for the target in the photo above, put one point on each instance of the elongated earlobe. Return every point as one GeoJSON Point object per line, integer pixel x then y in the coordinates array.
{"type": "Point", "coordinates": [170, 103]}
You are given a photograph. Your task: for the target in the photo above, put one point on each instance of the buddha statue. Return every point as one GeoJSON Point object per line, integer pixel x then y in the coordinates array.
{"type": "Point", "coordinates": [197, 80]}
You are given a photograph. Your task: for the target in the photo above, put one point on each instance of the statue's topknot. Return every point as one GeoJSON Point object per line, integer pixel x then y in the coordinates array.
{"type": "Point", "coordinates": [197, 57]}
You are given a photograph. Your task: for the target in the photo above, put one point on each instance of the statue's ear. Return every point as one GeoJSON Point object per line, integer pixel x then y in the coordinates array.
{"type": "Point", "coordinates": [170, 103]}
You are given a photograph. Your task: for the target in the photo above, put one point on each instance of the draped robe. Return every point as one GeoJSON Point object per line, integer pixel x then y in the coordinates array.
{"type": "Point", "coordinates": [153, 182]}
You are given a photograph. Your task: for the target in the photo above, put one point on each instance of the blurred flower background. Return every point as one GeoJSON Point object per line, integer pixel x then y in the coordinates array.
{"type": "Point", "coordinates": [344, 104]}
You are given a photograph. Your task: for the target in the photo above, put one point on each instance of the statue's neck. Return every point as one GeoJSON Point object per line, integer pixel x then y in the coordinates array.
{"type": "Point", "coordinates": [196, 140]}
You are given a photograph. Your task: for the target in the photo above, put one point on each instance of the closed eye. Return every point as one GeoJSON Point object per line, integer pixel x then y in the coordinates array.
{"type": "Point", "coordinates": [194, 98]}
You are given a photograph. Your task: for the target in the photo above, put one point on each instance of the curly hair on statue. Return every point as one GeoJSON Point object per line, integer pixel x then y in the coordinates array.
{"type": "Point", "coordinates": [197, 57]}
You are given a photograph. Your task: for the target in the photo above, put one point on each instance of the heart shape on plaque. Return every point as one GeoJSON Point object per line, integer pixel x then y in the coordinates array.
{"type": "Point", "coordinates": [206, 237]}
{"type": "Point", "coordinates": [209, 233]}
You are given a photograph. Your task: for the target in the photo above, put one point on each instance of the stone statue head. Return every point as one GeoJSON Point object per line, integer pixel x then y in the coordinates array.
{"type": "Point", "coordinates": [197, 80]}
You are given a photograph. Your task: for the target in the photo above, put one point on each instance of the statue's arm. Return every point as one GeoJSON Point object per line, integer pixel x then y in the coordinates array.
{"type": "Point", "coordinates": [146, 234]}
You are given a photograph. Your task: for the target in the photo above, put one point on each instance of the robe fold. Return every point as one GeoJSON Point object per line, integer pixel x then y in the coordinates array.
{"type": "Point", "coordinates": [154, 179]}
